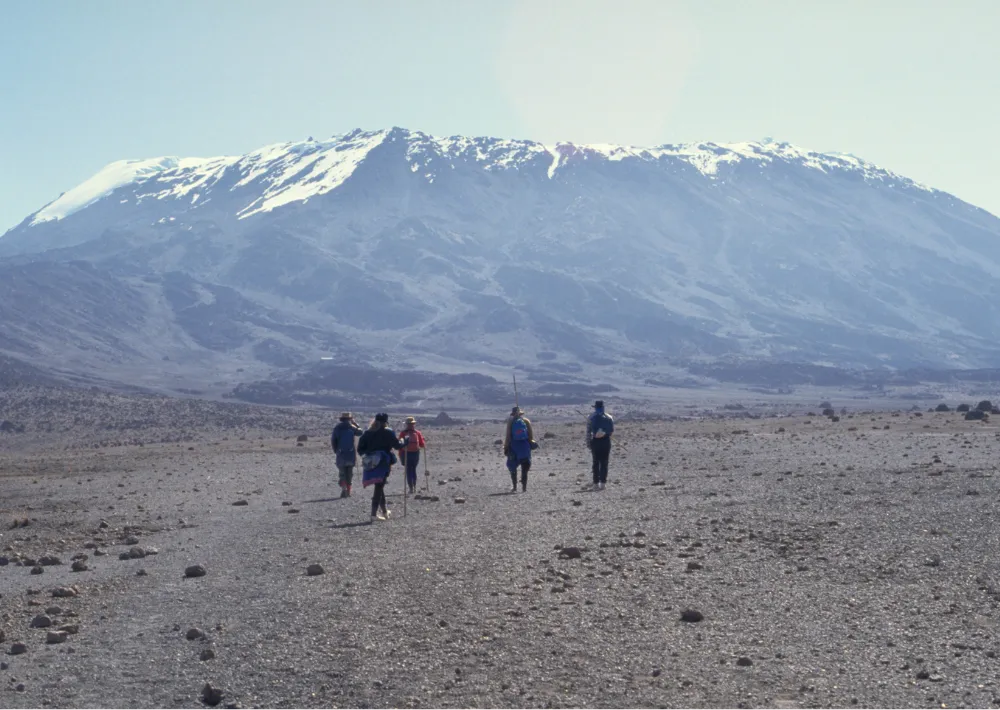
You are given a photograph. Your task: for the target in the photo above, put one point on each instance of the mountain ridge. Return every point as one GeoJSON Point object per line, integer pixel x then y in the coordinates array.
{"type": "Point", "coordinates": [402, 250]}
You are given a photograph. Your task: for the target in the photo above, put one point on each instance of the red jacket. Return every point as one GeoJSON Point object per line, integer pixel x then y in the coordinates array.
{"type": "Point", "coordinates": [416, 439]}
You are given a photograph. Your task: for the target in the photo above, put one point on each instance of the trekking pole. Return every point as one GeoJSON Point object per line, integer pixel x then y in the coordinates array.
{"type": "Point", "coordinates": [516, 403]}
{"type": "Point", "coordinates": [406, 483]}
{"type": "Point", "coordinates": [427, 474]}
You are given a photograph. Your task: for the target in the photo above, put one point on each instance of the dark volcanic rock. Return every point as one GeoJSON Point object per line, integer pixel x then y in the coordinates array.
{"type": "Point", "coordinates": [692, 616]}
{"type": "Point", "coordinates": [194, 571]}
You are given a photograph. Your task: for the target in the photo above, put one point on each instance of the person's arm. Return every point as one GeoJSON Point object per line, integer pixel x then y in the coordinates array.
{"type": "Point", "coordinates": [531, 431]}
{"type": "Point", "coordinates": [398, 444]}
{"type": "Point", "coordinates": [363, 444]}
{"type": "Point", "coordinates": [611, 425]}
{"type": "Point", "coordinates": [421, 441]}
{"type": "Point", "coordinates": [506, 437]}
{"type": "Point", "coordinates": [333, 441]}
{"type": "Point", "coordinates": [590, 431]}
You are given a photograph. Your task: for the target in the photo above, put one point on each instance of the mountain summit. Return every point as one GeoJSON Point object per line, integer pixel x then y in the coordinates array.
{"type": "Point", "coordinates": [398, 249]}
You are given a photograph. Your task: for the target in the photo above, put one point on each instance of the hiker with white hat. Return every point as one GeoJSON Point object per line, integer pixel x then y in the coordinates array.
{"type": "Point", "coordinates": [413, 443]}
{"type": "Point", "coordinates": [342, 441]}
{"type": "Point", "coordinates": [600, 427]}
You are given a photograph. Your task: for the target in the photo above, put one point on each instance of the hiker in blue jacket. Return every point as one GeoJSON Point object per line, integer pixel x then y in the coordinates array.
{"type": "Point", "coordinates": [342, 441]}
{"type": "Point", "coordinates": [518, 444]}
{"type": "Point", "coordinates": [600, 427]}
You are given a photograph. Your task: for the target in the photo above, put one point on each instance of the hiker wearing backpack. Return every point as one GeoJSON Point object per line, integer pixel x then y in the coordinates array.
{"type": "Point", "coordinates": [413, 442]}
{"type": "Point", "coordinates": [518, 444]}
{"type": "Point", "coordinates": [600, 427]}
{"type": "Point", "coordinates": [342, 441]}
{"type": "Point", "coordinates": [377, 448]}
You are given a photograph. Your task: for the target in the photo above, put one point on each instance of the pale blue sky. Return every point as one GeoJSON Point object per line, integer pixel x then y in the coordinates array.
{"type": "Point", "coordinates": [912, 85]}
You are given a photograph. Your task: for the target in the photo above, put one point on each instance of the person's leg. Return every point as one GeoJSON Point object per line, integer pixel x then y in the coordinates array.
{"type": "Point", "coordinates": [512, 468]}
{"type": "Point", "coordinates": [376, 499]}
{"type": "Point", "coordinates": [348, 478]}
{"type": "Point", "coordinates": [525, 467]}
{"type": "Point", "coordinates": [596, 465]}
{"type": "Point", "coordinates": [605, 455]}
{"type": "Point", "coordinates": [412, 459]}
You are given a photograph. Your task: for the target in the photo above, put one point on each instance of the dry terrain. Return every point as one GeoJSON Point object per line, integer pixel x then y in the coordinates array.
{"type": "Point", "coordinates": [831, 563]}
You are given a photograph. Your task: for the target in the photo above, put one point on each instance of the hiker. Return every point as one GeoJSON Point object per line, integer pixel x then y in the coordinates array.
{"type": "Point", "coordinates": [518, 444]}
{"type": "Point", "coordinates": [600, 427]}
{"type": "Point", "coordinates": [377, 457]}
{"type": "Point", "coordinates": [413, 442]}
{"type": "Point", "coordinates": [342, 441]}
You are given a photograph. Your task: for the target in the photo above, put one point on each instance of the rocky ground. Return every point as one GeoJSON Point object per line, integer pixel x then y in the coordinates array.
{"type": "Point", "coordinates": [796, 562]}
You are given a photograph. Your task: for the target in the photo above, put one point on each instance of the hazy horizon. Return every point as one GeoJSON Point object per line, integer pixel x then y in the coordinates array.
{"type": "Point", "coordinates": [902, 85]}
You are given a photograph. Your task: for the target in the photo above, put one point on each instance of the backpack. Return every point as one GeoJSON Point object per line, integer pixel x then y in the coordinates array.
{"type": "Point", "coordinates": [345, 439]}
{"type": "Point", "coordinates": [599, 421]}
{"type": "Point", "coordinates": [518, 430]}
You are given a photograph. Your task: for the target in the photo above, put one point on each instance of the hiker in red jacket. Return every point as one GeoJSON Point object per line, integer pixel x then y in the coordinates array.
{"type": "Point", "coordinates": [413, 442]}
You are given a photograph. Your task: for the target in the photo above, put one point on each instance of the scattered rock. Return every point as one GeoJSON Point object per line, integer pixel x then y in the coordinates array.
{"type": "Point", "coordinates": [211, 696]}
{"type": "Point", "coordinates": [37, 570]}
{"type": "Point", "coordinates": [692, 616]}
{"type": "Point", "coordinates": [51, 611]}
{"type": "Point", "coordinates": [316, 569]}
{"type": "Point", "coordinates": [65, 592]}
{"type": "Point", "coordinates": [460, 500]}
{"type": "Point", "coordinates": [293, 510]}
{"type": "Point", "coordinates": [16, 649]}
{"type": "Point", "coordinates": [548, 435]}
{"type": "Point", "coordinates": [79, 566]}
{"type": "Point", "coordinates": [240, 502]}
{"type": "Point", "coordinates": [49, 561]}
{"type": "Point", "coordinates": [302, 437]}
{"type": "Point", "coordinates": [207, 654]}
{"type": "Point", "coordinates": [56, 637]}
{"type": "Point", "coordinates": [194, 633]}
{"type": "Point", "coordinates": [19, 687]}
{"type": "Point", "coordinates": [570, 553]}
{"type": "Point", "coordinates": [694, 566]}
{"type": "Point", "coordinates": [41, 622]}
{"type": "Point", "coordinates": [194, 571]}
{"type": "Point", "coordinates": [141, 573]}
{"type": "Point", "coordinates": [286, 503]}
{"type": "Point", "coordinates": [131, 540]}
{"type": "Point", "coordinates": [744, 662]}
{"type": "Point", "coordinates": [71, 629]}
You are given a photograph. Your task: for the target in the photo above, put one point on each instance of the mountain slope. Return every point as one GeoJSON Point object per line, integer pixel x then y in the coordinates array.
{"type": "Point", "coordinates": [400, 249]}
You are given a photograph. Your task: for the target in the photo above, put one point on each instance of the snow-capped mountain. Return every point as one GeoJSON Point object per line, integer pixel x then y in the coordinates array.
{"type": "Point", "coordinates": [399, 248]}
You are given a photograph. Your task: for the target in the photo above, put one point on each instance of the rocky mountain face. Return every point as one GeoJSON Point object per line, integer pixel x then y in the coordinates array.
{"type": "Point", "coordinates": [400, 251]}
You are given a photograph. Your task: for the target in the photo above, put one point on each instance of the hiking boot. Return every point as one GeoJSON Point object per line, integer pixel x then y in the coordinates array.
{"type": "Point", "coordinates": [386, 513]}
{"type": "Point", "coordinates": [514, 489]}
{"type": "Point", "coordinates": [600, 486]}
{"type": "Point", "coordinates": [524, 487]}
{"type": "Point", "coordinates": [378, 516]}
{"type": "Point", "coordinates": [343, 493]}
{"type": "Point", "coordinates": [375, 517]}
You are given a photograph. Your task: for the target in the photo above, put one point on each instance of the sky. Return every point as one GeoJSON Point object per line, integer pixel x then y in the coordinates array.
{"type": "Point", "coordinates": [911, 85]}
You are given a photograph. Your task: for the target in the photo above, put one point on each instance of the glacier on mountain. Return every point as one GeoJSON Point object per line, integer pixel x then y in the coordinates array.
{"type": "Point", "coordinates": [297, 171]}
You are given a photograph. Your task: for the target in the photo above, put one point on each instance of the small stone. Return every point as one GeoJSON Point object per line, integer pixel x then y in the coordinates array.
{"type": "Point", "coordinates": [141, 573]}
{"type": "Point", "coordinates": [56, 637]}
{"type": "Point", "coordinates": [207, 654]}
{"type": "Point", "coordinates": [694, 566]}
{"type": "Point", "coordinates": [79, 566]}
{"type": "Point", "coordinates": [744, 662]}
{"type": "Point", "coordinates": [16, 649]}
{"type": "Point", "coordinates": [194, 571]}
{"type": "Point", "coordinates": [41, 622]}
{"type": "Point", "coordinates": [692, 616]}
{"type": "Point", "coordinates": [211, 696]}
{"type": "Point", "coordinates": [316, 569]}
{"type": "Point", "coordinates": [4, 665]}
{"type": "Point", "coordinates": [71, 629]}
{"type": "Point", "coordinates": [99, 553]}
{"type": "Point", "coordinates": [131, 540]}
{"type": "Point", "coordinates": [19, 687]}
{"type": "Point", "coordinates": [37, 569]}
{"type": "Point", "coordinates": [53, 610]}
{"type": "Point", "coordinates": [64, 592]}
{"type": "Point", "coordinates": [241, 502]}
{"type": "Point", "coordinates": [194, 633]}
{"type": "Point", "coordinates": [459, 500]}
{"type": "Point", "coordinates": [49, 561]}
{"type": "Point", "coordinates": [103, 524]}
{"type": "Point", "coordinates": [286, 503]}
{"type": "Point", "coordinates": [570, 553]}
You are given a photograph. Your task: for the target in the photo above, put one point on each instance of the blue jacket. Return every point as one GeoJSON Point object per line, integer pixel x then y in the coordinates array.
{"type": "Point", "coordinates": [599, 421]}
{"type": "Point", "coordinates": [342, 441]}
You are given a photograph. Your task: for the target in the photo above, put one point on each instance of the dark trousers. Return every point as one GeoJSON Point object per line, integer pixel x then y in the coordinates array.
{"type": "Point", "coordinates": [525, 467]}
{"type": "Point", "coordinates": [600, 449]}
{"type": "Point", "coordinates": [378, 498]}
{"type": "Point", "coordinates": [345, 476]}
{"type": "Point", "coordinates": [411, 459]}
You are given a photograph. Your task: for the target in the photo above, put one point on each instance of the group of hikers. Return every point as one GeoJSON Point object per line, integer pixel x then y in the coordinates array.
{"type": "Point", "coordinates": [379, 443]}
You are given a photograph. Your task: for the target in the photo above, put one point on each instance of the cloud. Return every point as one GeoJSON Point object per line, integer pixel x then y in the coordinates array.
{"type": "Point", "coordinates": [593, 70]}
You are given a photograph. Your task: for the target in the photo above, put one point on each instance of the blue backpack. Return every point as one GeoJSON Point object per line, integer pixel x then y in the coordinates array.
{"type": "Point", "coordinates": [345, 439]}
{"type": "Point", "coordinates": [519, 430]}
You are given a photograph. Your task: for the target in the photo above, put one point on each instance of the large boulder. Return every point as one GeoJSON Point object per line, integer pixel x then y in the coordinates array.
{"type": "Point", "coordinates": [985, 406]}
{"type": "Point", "coordinates": [963, 408]}
{"type": "Point", "coordinates": [942, 408]}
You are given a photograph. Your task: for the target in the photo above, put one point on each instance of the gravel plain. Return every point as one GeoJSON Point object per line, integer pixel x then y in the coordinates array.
{"type": "Point", "coordinates": [832, 564]}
